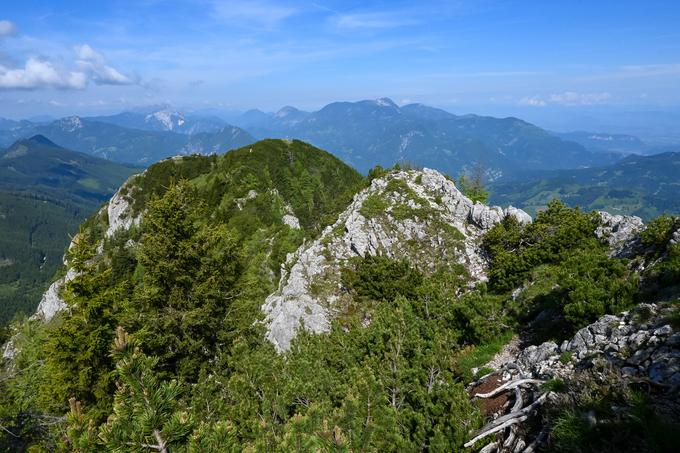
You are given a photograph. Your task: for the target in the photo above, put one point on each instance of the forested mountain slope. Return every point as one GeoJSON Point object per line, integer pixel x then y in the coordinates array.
{"type": "Point", "coordinates": [645, 186]}
{"type": "Point", "coordinates": [46, 192]}
{"type": "Point", "coordinates": [273, 299]}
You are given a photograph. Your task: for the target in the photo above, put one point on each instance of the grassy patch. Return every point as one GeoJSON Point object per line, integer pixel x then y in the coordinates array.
{"type": "Point", "coordinates": [90, 183]}
{"type": "Point", "coordinates": [374, 206]}
{"type": "Point", "coordinates": [402, 211]}
{"type": "Point", "coordinates": [555, 385]}
{"type": "Point", "coordinates": [565, 357]}
{"type": "Point", "coordinates": [476, 356]}
{"type": "Point", "coordinates": [398, 185]}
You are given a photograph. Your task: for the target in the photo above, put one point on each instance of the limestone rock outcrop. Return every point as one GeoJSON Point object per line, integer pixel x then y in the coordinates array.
{"type": "Point", "coordinates": [119, 210]}
{"type": "Point", "coordinates": [419, 215]}
{"type": "Point", "coordinates": [621, 232]}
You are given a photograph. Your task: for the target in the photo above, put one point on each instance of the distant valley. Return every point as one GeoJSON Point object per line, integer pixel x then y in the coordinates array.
{"type": "Point", "coordinates": [646, 186]}
{"type": "Point", "coordinates": [46, 192]}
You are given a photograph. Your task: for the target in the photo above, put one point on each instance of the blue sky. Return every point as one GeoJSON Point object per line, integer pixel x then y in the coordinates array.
{"type": "Point", "coordinates": [485, 56]}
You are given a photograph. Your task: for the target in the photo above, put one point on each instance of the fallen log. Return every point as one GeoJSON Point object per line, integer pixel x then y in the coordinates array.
{"type": "Point", "coordinates": [509, 385]}
{"type": "Point", "coordinates": [507, 420]}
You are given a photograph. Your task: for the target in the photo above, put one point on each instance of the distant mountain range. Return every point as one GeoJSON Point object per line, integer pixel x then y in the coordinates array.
{"type": "Point", "coordinates": [164, 119]}
{"type": "Point", "coordinates": [645, 186]}
{"type": "Point", "coordinates": [131, 137]}
{"type": "Point", "coordinates": [367, 133]}
{"type": "Point", "coordinates": [363, 134]}
{"type": "Point", "coordinates": [46, 192]}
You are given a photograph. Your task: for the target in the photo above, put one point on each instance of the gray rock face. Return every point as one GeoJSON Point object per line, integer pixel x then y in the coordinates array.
{"type": "Point", "coordinates": [522, 217]}
{"type": "Point", "coordinates": [675, 239]}
{"type": "Point", "coordinates": [51, 302]}
{"type": "Point", "coordinates": [120, 218]}
{"type": "Point", "coordinates": [10, 349]}
{"type": "Point", "coordinates": [291, 221]}
{"type": "Point", "coordinates": [120, 213]}
{"type": "Point", "coordinates": [534, 358]}
{"type": "Point", "coordinates": [485, 217]}
{"type": "Point", "coordinates": [426, 219]}
{"type": "Point", "coordinates": [650, 350]}
{"type": "Point", "coordinates": [240, 202]}
{"type": "Point", "coordinates": [620, 231]}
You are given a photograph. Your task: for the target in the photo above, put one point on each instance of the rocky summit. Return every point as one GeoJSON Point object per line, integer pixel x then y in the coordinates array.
{"type": "Point", "coordinates": [418, 214]}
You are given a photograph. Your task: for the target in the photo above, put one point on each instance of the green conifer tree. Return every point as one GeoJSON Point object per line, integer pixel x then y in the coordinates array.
{"type": "Point", "coordinates": [146, 413]}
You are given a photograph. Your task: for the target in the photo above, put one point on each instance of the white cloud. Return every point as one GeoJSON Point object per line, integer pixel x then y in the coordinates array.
{"type": "Point", "coordinates": [533, 101]}
{"type": "Point", "coordinates": [7, 28]}
{"type": "Point", "coordinates": [95, 64]}
{"type": "Point", "coordinates": [41, 73]}
{"type": "Point", "coordinates": [574, 98]}
{"type": "Point", "coordinates": [245, 12]}
{"type": "Point", "coordinates": [38, 74]}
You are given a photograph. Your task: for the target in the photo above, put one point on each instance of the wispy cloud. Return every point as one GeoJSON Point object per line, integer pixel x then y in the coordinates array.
{"type": "Point", "coordinates": [574, 98]}
{"type": "Point", "coordinates": [635, 72]}
{"type": "Point", "coordinates": [248, 13]}
{"type": "Point", "coordinates": [569, 98]}
{"type": "Point", "coordinates": [7, 28]}
{"type": "Point", "coordinates": [372, 20]}
{"type": "Point", "coordinates": [534, 101]}
{"type": "Point", "coordinates": [650, 70]}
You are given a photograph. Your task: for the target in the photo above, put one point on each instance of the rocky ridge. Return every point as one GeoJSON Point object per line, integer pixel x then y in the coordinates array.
{"type": "Point", "coordinates": [419, 214]}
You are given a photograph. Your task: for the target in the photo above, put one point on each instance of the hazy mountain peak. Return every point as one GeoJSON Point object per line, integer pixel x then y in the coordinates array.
{"type": "Point", "coordinates": [41, 140]}
{"type": "Point", "coordinates": [286, 111]}
{"type": "Point", "coordinates": [71, 123]}
{"type": "Point", "coordinates": [22, 147]}
{"type": "Point", "coordinates": [254, 112]}
{"type": "Point", "coordinates": [168, 118]}
{"type": "Point", "coordinates": [386, 102]}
